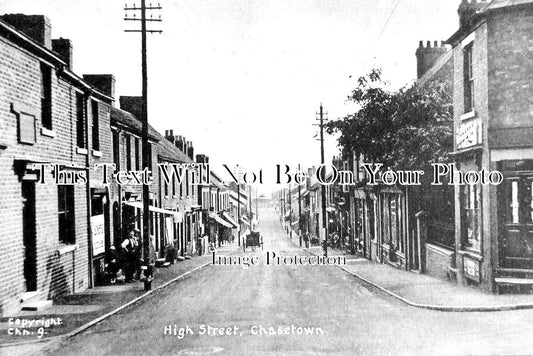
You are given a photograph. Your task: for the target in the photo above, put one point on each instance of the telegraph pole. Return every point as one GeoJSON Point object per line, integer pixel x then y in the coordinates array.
{"type": "Point", "coordinates": [144, 118]}
{"type": "Point", "coordinates": [239, 213]}
{"type": "Point", "coordinates": [324, 212]}
{"type": "Point", "coordinates": [290, 209]}
{"type": "Point", "coordinates": [300, 209]}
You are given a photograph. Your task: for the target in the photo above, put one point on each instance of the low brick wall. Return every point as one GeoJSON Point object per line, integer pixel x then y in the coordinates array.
{"type": "Point", "coordinates": [438, 260]}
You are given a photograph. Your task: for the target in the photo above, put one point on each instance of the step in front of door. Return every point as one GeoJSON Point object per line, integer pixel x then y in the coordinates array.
{"type": "Point", "coordinates": [36, 305]}
{"type": "Point", "coordinates": [512, 285]}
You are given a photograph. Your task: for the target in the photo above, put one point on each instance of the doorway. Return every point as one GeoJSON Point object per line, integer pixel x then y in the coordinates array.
{"type": "Point", "coordinates": [29, 235]}
{"type": "Point", "coordinates": [516, 242]}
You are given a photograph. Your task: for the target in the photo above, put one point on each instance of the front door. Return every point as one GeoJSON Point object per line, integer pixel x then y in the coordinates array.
{"type": "Point", "coordinates": [516, 239]}
{"type": "Point", "coordinates": [29, 235]}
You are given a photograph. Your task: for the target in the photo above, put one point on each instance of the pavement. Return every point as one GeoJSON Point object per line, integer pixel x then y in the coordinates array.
{"type": "Point", "coordinates": [285, 310]}
{"type": "Point", "coordinates": [75, 312]}
{"type": "Point", "coordinates": [424, 291]}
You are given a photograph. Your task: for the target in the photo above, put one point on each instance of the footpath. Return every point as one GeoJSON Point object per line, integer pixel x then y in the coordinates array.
{"type": "Point", "coordinates": [423, 291]}
{"type": "Point", "coordinates": [71, 314]}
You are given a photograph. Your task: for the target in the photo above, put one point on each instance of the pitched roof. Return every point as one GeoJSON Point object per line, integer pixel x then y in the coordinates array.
{"type": "Point", "coordinates": [498, 4]}
{"type": "Point", "coordinates": [167, 150]}
{"type": "Point", "coordinates": [125, 119]}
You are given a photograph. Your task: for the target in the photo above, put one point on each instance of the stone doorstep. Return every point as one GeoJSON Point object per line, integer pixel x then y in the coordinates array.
{"type": "Point", "coordinates": [514, 281]}
{"type": "Point", "coordinates": [181, 258]}
{"type": "Point", "coordinates": [25, 297]}
{"type": "Point", "coordinates": [37, 305]}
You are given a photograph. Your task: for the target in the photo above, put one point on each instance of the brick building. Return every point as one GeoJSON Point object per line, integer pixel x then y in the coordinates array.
{"type": "Point", "coordinates": [51, 230]}
{"type": "Point", "coordinates": [493, 101]}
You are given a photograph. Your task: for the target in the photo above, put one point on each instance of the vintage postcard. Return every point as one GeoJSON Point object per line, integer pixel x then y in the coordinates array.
{"type": "Point", "coordinates": [266, 177]}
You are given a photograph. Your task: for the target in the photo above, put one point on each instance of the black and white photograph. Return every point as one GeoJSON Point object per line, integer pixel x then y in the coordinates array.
{"type": "Point", "coordinates": [266, 177]}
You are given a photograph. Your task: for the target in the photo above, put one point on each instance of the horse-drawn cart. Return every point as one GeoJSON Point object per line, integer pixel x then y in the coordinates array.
{"type": "Point", "coordinates": [253, 240]}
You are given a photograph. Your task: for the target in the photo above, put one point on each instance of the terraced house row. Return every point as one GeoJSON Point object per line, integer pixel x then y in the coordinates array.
{"type": "Point", "coordinates": [58, 215]}
{"type": "Point", "coordinates": [477, 235]}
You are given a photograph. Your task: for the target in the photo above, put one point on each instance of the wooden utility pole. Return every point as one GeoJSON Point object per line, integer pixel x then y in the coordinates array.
{"type": "Point", "coordinates": [324, 211]}
{"type": "Point", "coordinates": [239, 212]}
{"type": "Point", "coordinates": [144, 118]}
{"type": "Point", "coordinates": [290, 210]}
{"type": "Point", "coordinates": [300, 209]}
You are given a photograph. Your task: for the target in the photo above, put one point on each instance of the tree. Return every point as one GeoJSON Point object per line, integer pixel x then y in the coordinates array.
{"type": "Point", "coordinates": [407, 129]}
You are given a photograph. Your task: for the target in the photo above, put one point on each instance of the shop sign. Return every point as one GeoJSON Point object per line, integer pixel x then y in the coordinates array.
{"type": "Point", "coordinates": [471, 268]}
{"type": "Point", "coordinates": [469, 133]}
{"type": "Point", "coordinates": [98, 234]}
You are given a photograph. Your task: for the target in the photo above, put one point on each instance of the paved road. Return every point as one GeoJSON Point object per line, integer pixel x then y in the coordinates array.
{"type": "Point", "coordinates": [353, 318]}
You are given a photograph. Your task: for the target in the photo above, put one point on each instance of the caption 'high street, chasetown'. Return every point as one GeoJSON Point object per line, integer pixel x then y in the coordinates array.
{"type": "Point", "coordinates": [137, 215]}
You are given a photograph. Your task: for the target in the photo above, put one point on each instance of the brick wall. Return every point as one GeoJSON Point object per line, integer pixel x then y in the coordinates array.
{"type": "Point", "coordinates": [510, 48]}
{"type": "Point", "coordinates": [58, 270]}
{"type": "Point", "coordinates": [438, 261]}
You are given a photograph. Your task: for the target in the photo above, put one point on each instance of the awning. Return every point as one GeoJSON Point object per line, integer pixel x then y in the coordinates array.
{"type": "Point", "coordinates": [288, 213]}
{"type": "Point", "coordinates": [295, 222]}
{"type": "Point", "coordinates": [219, 220]}
{"type": "Point", "coordinates": [139, 205]}
{"type": "Point", "coordinates": [230, 219]}
{"type": "Point", "coordinates": [245, 222]}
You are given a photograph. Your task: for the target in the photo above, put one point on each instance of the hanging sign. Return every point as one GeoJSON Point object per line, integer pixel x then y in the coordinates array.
{"type": "Point", "coordinates": [98, 234]}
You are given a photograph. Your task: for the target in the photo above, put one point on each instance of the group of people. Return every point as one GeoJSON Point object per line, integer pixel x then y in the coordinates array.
{"type": "Point", "coordinates": [129, 259]}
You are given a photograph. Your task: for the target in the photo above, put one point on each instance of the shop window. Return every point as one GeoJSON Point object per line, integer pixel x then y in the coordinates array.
{"type": "Point", "coordinates": [468, 81]}
{"type": "Point", "coordinates": [65, 211]}
{"type": "Point", "coordinates": [46, 96]}
{"type": "Point", "coordinates": [520, 202]}
{"type": "Point", "coordinates": [471, 220]}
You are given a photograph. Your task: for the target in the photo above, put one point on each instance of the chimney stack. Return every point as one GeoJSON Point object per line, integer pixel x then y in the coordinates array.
{"type": "Point", "coordinates": [467, 11]}
{"type": "Point", "coordinates": [200, 158]}
{"type": "Point", "coordinates": [169, 135]}
{"type": "Point", "coordinates": [104, 83]}
{"type": "Point", "coordinates": [63, 47]}
{"type": "Point", "coordinates": [184, 145]}
{"type": "Point", "coordinates": [37, 27]}
{"type": "Point", "coordinates": [178, 142]}
{"type": "Point", "coordinates": [190, 150]}
{"type": "Point", "coordinates": [427, 56]}
{"type": "Point", "coordinates": [133, 105]}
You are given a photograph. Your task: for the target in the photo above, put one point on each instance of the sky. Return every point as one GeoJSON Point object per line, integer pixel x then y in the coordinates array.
{"type": "Point", "coordinates": [243, 79]}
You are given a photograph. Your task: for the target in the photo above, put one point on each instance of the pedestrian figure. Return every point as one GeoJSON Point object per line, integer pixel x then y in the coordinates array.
{"type": "Point", "coordinates": [199, 247]}
{"type": "Point", "coordinates": [111, 265]}
{"type": "Point", "coordinates": [129, 248]}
